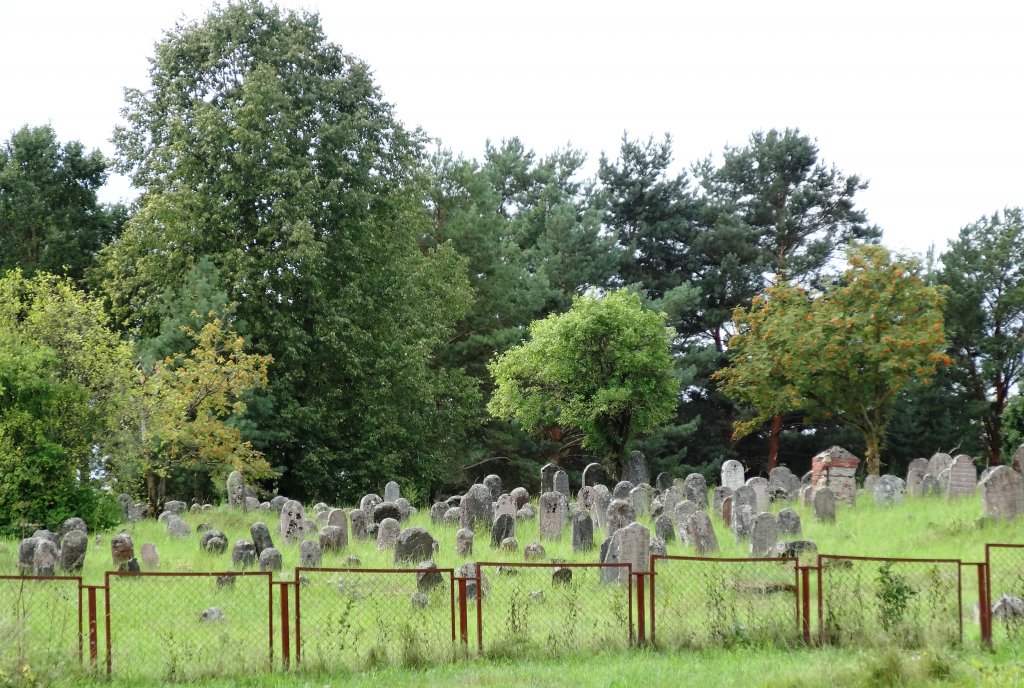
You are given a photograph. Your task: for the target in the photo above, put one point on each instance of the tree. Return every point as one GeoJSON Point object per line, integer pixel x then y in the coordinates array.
{"type": "Point", "coordinates": [603, 368]}
{"type": "Point", "coordinates": [984, 271]}
{"type": "Point", "coordinates": [63, 377]}
{"type": "Point", "coordinates": [263, 148]}
{"type": "Point", "coordinates": [50, 219]}
{"type": "Point", "coordinates": [846, 353]}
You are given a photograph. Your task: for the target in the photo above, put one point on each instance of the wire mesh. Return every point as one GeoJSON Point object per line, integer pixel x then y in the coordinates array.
{"type": "Point", "coordinates": [1006, 592]}
{"type": "Point", "coordinates": [185, 626]}
{"type": "Point", "coordinates": [554, 609]}
{"type": "Point", "coordinates": [40, 622]}
{"type": "Point", "coordinates": [363, 618]}
{"type": "Point", "coordinates": [880, 601]}
{"type": "Point", "coordinates": [699, 602]}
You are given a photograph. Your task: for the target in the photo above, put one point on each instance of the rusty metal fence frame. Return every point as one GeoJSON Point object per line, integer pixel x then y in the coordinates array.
{"type": "Point", "coordinates": [53, 579]}
{"type": "Point", "coordinates": [994, 570]}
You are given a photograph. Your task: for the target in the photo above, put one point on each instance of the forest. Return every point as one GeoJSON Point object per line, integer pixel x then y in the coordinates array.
{"type": "Point", "coordinates": [310, 292]}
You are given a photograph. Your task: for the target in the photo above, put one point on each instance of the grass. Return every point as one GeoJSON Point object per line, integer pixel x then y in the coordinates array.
{"type": "Point", "coordinates": [711, 623]}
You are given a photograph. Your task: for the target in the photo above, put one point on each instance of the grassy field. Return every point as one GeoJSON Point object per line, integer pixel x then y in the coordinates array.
{"type": "Point", "coordinates": [709, 626]}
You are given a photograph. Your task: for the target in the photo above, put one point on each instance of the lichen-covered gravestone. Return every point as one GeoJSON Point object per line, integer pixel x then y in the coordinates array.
{"type": "Point", "coordinates": [1017, 462]}
{"type": "Point", "coordinates": [789, 523]}
{"type": "Point", "coordinates": [629, 545]}
{"type": "Point", "coordinates": [464, 543]}
{"type": "Point", "coordinates": [701, 534]}
{"type": "Point", "coordinates": [243, 554]}
{"type": "Point", "coordinates": [554, 512]}
{"type": "Point", "coordinates": [764, 534]}
{"type": "Point", "coordinates": [150, 556]}
{"type": "Point", "coordinates": [594, 474]}
{"type": "Point", "coordinates": [744, 495]}
{"type": "Point", "coordinates": [236, 490]}
{"type": "Point", "coordinates": [1002, 493]}
{"type": "Point", "coordinates": [582, 532]}
{"type": "Point", "coordinates": [493, 483]}
{"type": "Point", "coordinates": [310, 554]}
{"type": "Point", "coordinates": [561, 483]}
{"type": "Point", "coordinates": [718, 497]}
{"type": "Point", "coordinates": [782, 477]}
{"type": "Point", "coordinates": [387, 533]}
{"type": "Point", "coordinates": [547, 477]}
{"type": "Point", "coordinates": [663, 482]}
{"type": "Point", "coordinates": [601, 502]}
{"type": "Point", "coordinates": [963, 477]}
{"type": "Point", "coordinates": [414, 544]}
{"type": "Point", "coordinates": [620, 514]}
{"type": "Point", "coordinates": [271, 560]}
{"type": "Point", "coordinates": [763, 498]}
{"type": "Point", "coordinates": [732, 474]}
{"type": "Point", "coordinates": [915, 477]}
{"type": "Point", "coordinates": [636, 469]}
{"type": "Point", "coordinates": [293, 521]}
{"type": "Point", "coordinates": [742, 521]}
{"type": "Point", "coordinates": [622, 489]}
{"type": "Point", "coordinates": [835, 469]}
{"type": "Point", "coordinates": [939, 462]}
{"type": "Point", "coordinates": [44, 559]}
{"type": "Point", "coordinates": [72, 551]}
{"type": "Point", "coordinates": [697, 490]}
{"type": "Point", "coordinates": [889, 490]}
{"type": "Point", "coordinates": [333, 539]}
{"type": "Point", "coordinates": [359, 521]}
{"type": "Point", "coordinates": [640, 498]}
{"type": "Point", "coordinates": [672, 497]}
{"type": "Point", "coordinates": [920, 464]}
{"type": "Point", "coordinates": [476, 507]}
{"type": "Point", "coordinates": [824, 504]}
{"type": "Point", "coordinates": [504, 527]}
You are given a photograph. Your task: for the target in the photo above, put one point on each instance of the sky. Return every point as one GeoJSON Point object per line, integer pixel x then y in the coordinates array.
{"type": "Point", "coordinates": [923, 100]}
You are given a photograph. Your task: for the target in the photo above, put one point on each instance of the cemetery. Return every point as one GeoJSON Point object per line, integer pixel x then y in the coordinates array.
{"type": "Point", "coordinates": [930, 561]}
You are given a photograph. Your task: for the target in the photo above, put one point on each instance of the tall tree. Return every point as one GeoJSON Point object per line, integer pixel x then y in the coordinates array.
{"type": "Point", "coordinates": [846, 353]}
{"type": "Point", "coordinates": [265, 149]}
{"type": "Point", "coordinates": [984, 270]}
{"type": "Point", "coordinates": [50, 218]}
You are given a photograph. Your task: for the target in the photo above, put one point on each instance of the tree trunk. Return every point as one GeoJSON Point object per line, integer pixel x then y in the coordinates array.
{"type": "Point", "coordinates": [873, 443]}
{"type": "Point", "coordinates": [773, 442]}
{"type": "Point", "coordinates": [151, 493]}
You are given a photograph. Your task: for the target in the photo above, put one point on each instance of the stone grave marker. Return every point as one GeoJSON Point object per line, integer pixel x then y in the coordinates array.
{"type": "Point", "coordinates": [620, 514]}
{"type": "Point", "coordinates": [150, 557]}
{"type": "Point", "coordinates": [824, 503]}
{"type": "Point", "coordinates": [718, 497]}
{"type": "Point", "coordinates": [697, 490]}
{"type": "Point", "coordinates": [939, 462]}
{"type": "Point", "coordinates": [582, 532]}
{"type": "Point", "coordinates": [493, 484]}
{"type": "Point", "coordinates": [504, 527]}
{"type": "Point", "coordinates": [700, 533]}
{"type": "Point", "coordinates": [761, 495]}
{"type": "Point", "coordinates": [594, 474]}
{"type": "Point", "coordinates": [1002, 493]}
{"type": "Point", "coordinates": [547, 477]}
{"type": "Point", "coordinates": [387, 533]}
{"type": "Point", "coordinates": [636, 468]}
{"type": "Point", "coordinates": [476, 507]}
{"type": "Point", "coordinates": [835, 468]}
{"type": "Point", "coordinates": [416, 544]}
{"type": "Point", "coordinates": [391, 491]}
{"type": "Point", "coordinates": [963, 477]}
{"type": "Point", "coordinates": [764, 534]}
{"type": "Point", "coordinates": [293, 521]}
{"type": "Point", "coordinates": [732, 474]}
{"type": "Point", "coordinates": [789, 523]}
{"type": "Point", "coordinates": [554, 512]}
{"type": "Point", "coordinates": [561, 482]}
{"type": "Point", "coordinates": [72, 551]}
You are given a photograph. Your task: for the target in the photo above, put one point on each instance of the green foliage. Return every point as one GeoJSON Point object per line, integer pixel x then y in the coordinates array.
{"type": "Point", "coordinates": [846, 353]}
{"type": "Point", "coordinates": [603, 368]}
{"type": "Point", "coordinates": [50, 220]}
{"type": "Point", "coordinates": [894, 595]}
{"type": "Point", "coordinates": [984, 270]}
{"type": "Point", "coordinates": [263, 149]}
{"type": "Point", "coordinates": [1013, 425]}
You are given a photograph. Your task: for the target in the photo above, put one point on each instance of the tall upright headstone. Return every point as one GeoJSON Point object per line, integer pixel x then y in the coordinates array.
{"type": "Point", "coordinates": [561, 483]}
{"type": "Point", "coordinates": [963, 477]}
{"type": "Point", "coordinates": [1002, 493]}
{"type": "Point", "coordinates": [547, 477]}
{"type": "Point", "coordinates": [696, 487]}
{"type": "Point", "coordinates": [236, 490]}
{"type": "Point", "coordinates": [939, 462]}
{"type": "Point", "coordinates": [636, 469]}
{"type": "Point", "coordinates": [554, 512]}
{"type": "Point", "coordinates": [391, 491]}
{"type": "Point", "coordinates": [732, 474]}
{"type": "Point", "coordinates": [594, 474]}
{"type": "Point", "coordinates": [824, 504]}
{"type": "Point", "coordinates": [760, 487]}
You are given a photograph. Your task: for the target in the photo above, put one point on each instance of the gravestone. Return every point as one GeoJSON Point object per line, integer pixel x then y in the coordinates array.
{"type": "Point", "coordinates": [636, 468]}
{"type": "Point", "coordinates": [620, 514]}
{"type": "Point", "coordinates": [663, 482]}
{"type": "Point", "coordinates": [387, 533]}
{"type": "Point", "coordinates": [835, 469]}
{"type": "Point", "coordinates": [452, 517]}
{"type": "Point", "coordinates": [782, 477]}
{"type": "Point", "coordinates": [744, 495]}
{"type": "Point", "coordinates": [271, 560]}
{"type": "Point", "coordinates": [664, 528]}
{"type": "Point", "coordinates": [252, 504]}
{"type": "Point", "coordinates": [26, 555]}
{"type": "Point", "coordinates": [762, 497]}
{"type": "Point", "coordinates": [150, 557]}
{"type": "Point", "coordinates": [939, 462]}
{"type": "Point", "coordinates": [415, 544]}
{"type": "Point", "coordinates": [129, 512]}
{"type": "Point", "coordinates": [561, 483]}
{"type": "Point", "coordinates": [943, 480]}
{"type": "Point", "coordinates": [622, 489]}
{"type": "Point", "coordinates": [930, 486]}
{"type": "Point", "coordinates": [505, 505]}
{"type": "Point", "coordinates": [594, 474]}
{"type": "Point", "coordinates": [701, 534]}
{"type": "Point", "coordinates": [177, 528]}
{"type": "Point", "coordinates": [630, 544]}
{"type": "Point", "coordinates": [789, 523]}
{"type": "Point", "coordinates": [732, 474]}
{"type": "Point", "coordinates": [176, 507]}
{"type": "Point", "coordinates": [391, 492]}
{"type": "Point", "coordinates": [824, 503]}
{"type": "Point", "coordinates": [672, 497]}
{"type": "Point", "coordinates": [1002, 493]}
{"type": "Point", "coordinates": [428, 577]}
{"type": "Point", "coordinates": [509, 545]}
{"type": "Point", "coordinates": [277, 503]}
{"type": "Point", "coordinates": [547, 477]}
{"type": "Point", "coordinates": [743, 517]}
{"type": "Point", "coordinates": [764, 534]}
{"type": "Point", "coordinates": [681, 514]}
{"type": "Point", "coordinates": [357, 518]}
{"type": "Point", "coordinates": [122, 549]}
{"type": "Point", "coordinates": [963, 477]}
{"type": "Point", "coordinates": [793, 549]}
{"type": "Point", "coordinates": [520, 496]}
{"type": "Point", "coordinates": [243, 554]}
{"type": "Point", "coordinates": [870, 481]}
{"type": "Point", "coordinates": [640, 498]}
{"type": "Point", "coordinates": [333, 539]}
{"type": "Point", "coordinates": [73, 523]}
{"type": "Point", "coordinates": [718, 497]}
{"type": "Point", "coordinates": [658, 546]}
{"type": "Point", "coordinates": [369, 502]}
{"type": "Point", "coordinates": [476, 507]}
{"type": "Point", "coordinates": [493, 483]}
{"type": "Point", "coordinates": [601, 502]}
{"type": "Point", "coordinates": [727, 510]}
{"type": "Point", "coordinates": [338, 519]}
{"type": "Point", "coordinates": [310, 554]}
{"type": "Point", "coordinates": [587, 498]}
{"type": "Point", "coordinates": [437, 512]}
{"type": "Point", "coordinates": [72, 551]}
{"type": "Point", "coordinates": [915, 476]}
{"type": "Point", "coordinates": [582, 532]}
{"type": "Point", "coordinates": [213, 542]}
{"type": "Point", "coordinates": [391, 510]}
{"type": "Point", "coordinates": [534, 551]}
{"type": "Point", "coordinates": [293, 521]}
{"type": "Point", "coordinates": [44, 558]}
{"type": "Point", "coordinates": [464, 543]}
{"type": "Point", "coordinates": [504, 527]}
{"type": "Point", "coordinates": [889, 491]}
{"type": "Point", "coordinates": [1017, 461]}
{"type": "Point", "coordinates": [921, 464]}
{"type": "Point", "coordinates": [697, 490]}
{"type": "Point", "coordinates": [554, 512]}
{"type": "Point", "coordinates": [527, 513]}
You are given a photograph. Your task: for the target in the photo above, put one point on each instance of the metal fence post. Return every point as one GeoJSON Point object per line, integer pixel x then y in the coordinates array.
{"type": "Point", "coordinates": [285, 632]}
{"type": "Point", "coordinates": [93, 621]}
{"type": "Point", "coordinates": [463, 615]}
{"type": "Point", "coordinates": [984, 605]}
{"type": "Point", "coordinates": [641, 623]}
{"type": "Point", "coordinates": [805, 595]}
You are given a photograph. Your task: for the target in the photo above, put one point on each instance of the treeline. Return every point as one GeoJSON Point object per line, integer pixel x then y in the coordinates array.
{"type": "Point", "coordinates": [372, 279]}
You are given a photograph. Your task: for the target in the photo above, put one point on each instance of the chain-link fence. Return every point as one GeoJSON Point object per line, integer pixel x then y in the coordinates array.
{"type": "Point", "coordinates": [1005, 587]}
{"type": "Point", "coordinates": [182, 626]}
{"type": "Point", "coordinates": [699, 602]}
{"type": "Point", "coordinates": [362, 618]}
{"type": "Point", "coordinates": [40, 622]}
{"type": "Point", "coordinates": [553, 608]}
{"type": "Point", "coordinates": [882, 601]}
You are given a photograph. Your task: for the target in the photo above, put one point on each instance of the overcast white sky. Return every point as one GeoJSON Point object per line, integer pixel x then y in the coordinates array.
{"type": "Point", "coordinates": [925, 100]}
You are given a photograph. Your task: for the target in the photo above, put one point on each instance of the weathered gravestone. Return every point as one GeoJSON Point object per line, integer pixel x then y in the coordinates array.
{"type": "Point", "coordinates": [547, 477]}
{"type": "Point", "coordinates": [664, 528]}
{"type": "Point", "coordinates": [963, 477]}
{"type": "Point", "coordinates": [310, 554]}
{"type": "Point", "coordinates": [761, 495]}
{"type": "Point", "coordinates": [782, 477]}
{"type": "Point", "coordinates": [561, 483]}
{"type": "Point", "coordinates": [587, 498]}
{"type": "Point", "coordinates": [620, 514]}
{"type": "Point", "coordinates": [681, 514]}
{"type": "Point", "coordinates": [414, 544]}
{"type": "Point", "coordinates": [582, 532]}
{"type": "Point", "coordinates": [72, 551]}
{"type": "Point", "coordinates": [930, 486]}
{"type": "Point", "coordinates": [73, 523]}
{"type": "Point", "coordinates": [293, 521]}
{"type": "Point", "coordinates": [640, 498]}
{"type": "Point", "coordinates": [437, 512]}
{"type": "Point", "coordinates": [358, 519]}
{"type": "Point", "coordinates": [236, 490]}
{"type": "Point", "coordinates": [122, 550]}
{"type": "Point", "coordinates": [622, 489]}
{"type": "Point", "coordinates": [452, 517]}
{"type": "Point", "coordinates": [636, 468]}
{"type": "Point", "coordinates": [271, 560]}
{"type": "Point", "coordinates": [476, 507]}
{"type": "Point", "coordinates": [26, 555]}
{"type": "Point", "coordinates": [697, 490]}
{"type": "Point", "coordinates": [869, 483]}
{"type": "Point", "coordinates": [594, 474]}
{"type": "Point", "coordinates": [663, 482]}
{"type": "Point", "coordinates": [921, 464]}
{"type": "Point", "coordinates": [387, 533]}
{"type": "Point", "coordinates": [629, 545]}
{"type": "Point", "coordinates": [824, 504]}
{"type": "Point", "coordinates": [727, 510]}
{"type": "Point", "coordinates": [1017, 461]}
{"type": "Point", "coordinates": [915, 478]}
{"type": "Point", "coordinates": [789, 523]}
{"type": "Point", "coordinates": [835, 468]}
{"type": "Point", "coordinates": [177, 528]}
{"type": "Point", "coordinates": [1002, 493]}
{"type": "Point", "coordinates": [505, 505]}
{"type": "Point", "coordinates": [493, 483]}
{"type": "Point", "coordinates": [701, 534]}
{"type": "Point", "coordinates": [943, 480]}
{"type": "Point", "coordinates": [392, 491]}
{"type": "Point", "coordinates": [718, 497]}
{"type": "Point", "coordinates": [744, 495]}
{"type": "Point", "coordinates": [764, 534]}
{"type": "Point", "coordinates": [520, 496]}
{"type": "Point", "coordinates": [243, 554]}
{"type": "Point", "coordinates": [213, 542]}
{"type": "Point", "coordinates": [277, 503]}
{"type": "Point", "coordinates": [129, 512]}
{"type": "Point", "coordinates": [428, 577]}
{"type": "Point", "coordinates": [732, 474]}
{"type": "Point", "coordinates": [176, 507]}
{"type": "Point", "coordinates": [504, 527]}
{"type": "Point", "coordinates": [534, 551]}
{"type": "Point", "coordinates": [554, 512]}
{"type": "Point", "coordinates": [392, 510]}
{"type": "Point", "coordinates": [889, 490]}
{"type": "Point", "coordinates": [44, 559]}
{"type": "Point", "coordinates": [601, 502]}
{"type": "Point", "coordinates": [464, 543]}
{"type": "Point", "coordinates": [672, 497]}
{"type": "Point", "coordinates": [939, 462]}
{"type": "Point", "coordinates": [150, 556]}
{"type": "Point", "coordinates": [743, 517]}
{"type": "Point", "coordinates": [333, 539]}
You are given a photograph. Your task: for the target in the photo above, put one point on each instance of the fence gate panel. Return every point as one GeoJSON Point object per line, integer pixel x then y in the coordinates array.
{"type": "Point", "coordinates": [363, 618]}
{"type": "Point", "coordinates": [180, 626]}
{"type": "Point", "coordinates": [699, 602]}
{"type": "Point", "coordinates": [1005, 586]}
{"type": "Point", "coordinates": [553, 609]}
{"type": "Point", "coordinates": [40, 621]}
{"type": "Point", "coordinates": [884, 601]}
